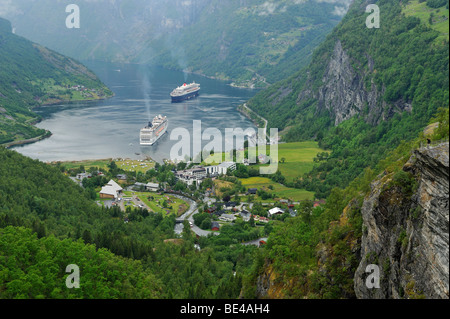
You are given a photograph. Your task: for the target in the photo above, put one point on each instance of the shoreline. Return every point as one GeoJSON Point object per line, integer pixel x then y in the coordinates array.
{"type": "Point", "coordinates": [48, 133]}
{"type": "Point", "coordinates": [56, 102]}
{"type": "Point", "coordinates": [28, 141]}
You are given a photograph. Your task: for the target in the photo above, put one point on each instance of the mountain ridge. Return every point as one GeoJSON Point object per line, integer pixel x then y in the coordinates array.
{"type": "Point", "coordinates": [364, 88]}
{"type": "Point", "coordinates": [250, 42]}
{"type": "Point", "coordinates": [32, 75]}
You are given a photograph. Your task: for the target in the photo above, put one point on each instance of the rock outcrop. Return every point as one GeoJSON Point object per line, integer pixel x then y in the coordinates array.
{"type": "Point", "coordinates": [345, 94]}
{"type": "Point", "coordinates": [406, 229]}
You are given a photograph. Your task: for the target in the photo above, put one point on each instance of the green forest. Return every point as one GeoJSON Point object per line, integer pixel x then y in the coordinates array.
{"type": "Point", "coordinates": [47, 221]}
{"type": "Point", "coordinates": [251, 47]}
{"type": "Point", "coordinates": [316, 253]}
{"type": "Point", "coordinates": [410, 65]}
{"type": "Point", "coordinates": [51, 216]}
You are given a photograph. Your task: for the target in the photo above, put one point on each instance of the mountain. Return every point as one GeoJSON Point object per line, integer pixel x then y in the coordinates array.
{"type": "Point", "coordinates": [378, 99]}
{"type": "Point", "coordinates": [250, 42]}
{"type": "Point", "coordinates": [394, 218]}
{"type": "Point", "coordinates": [365, 90]}
{"type": "Point", "coordinates": [32, 75]}
{"type": "Point", "coordinates": [406, 228]}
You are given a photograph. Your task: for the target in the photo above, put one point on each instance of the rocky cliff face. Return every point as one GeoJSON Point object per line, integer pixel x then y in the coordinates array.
{"type": "Point", "coordinates": [406, 229]}
{"type": "Point", "coordinates": [345, 94]}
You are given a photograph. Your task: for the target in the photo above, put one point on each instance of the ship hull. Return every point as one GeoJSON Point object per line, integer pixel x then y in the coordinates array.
{"type": "Point", "coordinates": [188, 96]}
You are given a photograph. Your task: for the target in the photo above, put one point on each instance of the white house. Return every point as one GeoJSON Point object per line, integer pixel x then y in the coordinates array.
{"type": "Point", "coordinates": [221, 169]}
{"type": "Point", "coordinates": [275, 211]}
{"type": "Point", "coordinates": [227, 218]}
{"type": "Point", "coordinates": [111, 190]}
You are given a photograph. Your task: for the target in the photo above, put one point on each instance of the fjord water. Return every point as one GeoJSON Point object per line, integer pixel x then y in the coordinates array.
{"type": "Point", "coordinates": [110, 128]}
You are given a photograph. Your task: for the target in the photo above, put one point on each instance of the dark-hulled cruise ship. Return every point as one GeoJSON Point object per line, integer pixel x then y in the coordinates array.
{"type": "Point", "coordinates": [185, 92]}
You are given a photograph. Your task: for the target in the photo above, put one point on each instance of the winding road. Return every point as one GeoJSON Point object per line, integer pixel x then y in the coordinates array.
{"type": "Point", "coordinates": [189, 215]}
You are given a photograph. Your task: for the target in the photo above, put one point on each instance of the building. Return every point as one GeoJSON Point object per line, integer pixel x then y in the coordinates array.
{"type": "Point", "coordinates": [215, 226]}
{"type": "Point", "coordinates": [84, 175]}
{"type": "Point", "coordinates": [219, 213]}
{"type": "Point", "coordinates": [189, 176]}
{"type": "Point", "coordinates": [122, 177]}
{"type": "Point", "coordinates": [152, 187]}
{"type": "Point", "coordinates": [227, 218]}
{"type": "Point", "coordinates": [112, 190]}
{"type": "Point", "coordinates": [230, 205]}
{"type": "Point", "coordinates": [275, 211]}
{"type": "Point", "coordinates": [319, 203]}
{"type": "Point", "coordinates": [139, 186]}
{"type": "Point", "coordinates": [252, 191]}
{"type": "Point", "coordinates": [221, 169]}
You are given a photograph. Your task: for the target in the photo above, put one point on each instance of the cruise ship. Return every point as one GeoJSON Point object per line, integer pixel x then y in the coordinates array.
{"type": "Point", "coordinates": [185, 92]}
{"type": "Point", "coordinates": [154, 130]}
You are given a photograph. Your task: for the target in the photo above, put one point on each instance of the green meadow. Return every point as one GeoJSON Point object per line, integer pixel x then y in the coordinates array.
{"type": "Point", "coordinates": [272, 187]}
{"type": "Point", "coordinates": [296, 159]}
{"type": "Point", "coordinates": [130, 165]}
{"type": "Point", "coordinates": [439, 18]}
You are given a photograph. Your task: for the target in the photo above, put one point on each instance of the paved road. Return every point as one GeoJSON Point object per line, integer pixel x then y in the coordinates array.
{"type": "Point", "coordinates": [189, 215]}
{"type": "Point", "coordinates": [255, 242]}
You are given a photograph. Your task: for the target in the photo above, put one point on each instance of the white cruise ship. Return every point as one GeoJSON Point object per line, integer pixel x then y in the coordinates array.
{"type": "Point", "coordinates": [154, 130]}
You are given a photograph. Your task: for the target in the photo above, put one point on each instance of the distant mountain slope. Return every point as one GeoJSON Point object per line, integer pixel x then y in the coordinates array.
{"type": "Point", "coordinates": [249, 41]}
{"type": "Point", "coordinates": [31, 75]}
{"type": "Point", "coordinates": [364, 91]}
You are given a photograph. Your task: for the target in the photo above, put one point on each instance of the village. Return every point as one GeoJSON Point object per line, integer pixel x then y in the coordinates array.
{"type": "Point", "coordinates": [193, 193]}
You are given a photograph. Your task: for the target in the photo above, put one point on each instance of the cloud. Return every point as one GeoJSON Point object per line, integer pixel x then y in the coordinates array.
{"type": "Point", "coordinates": [341, 7]}
{"type": "Point", "coordinates": [7, 7]}
{"type": "Point", "coordinates": [340, 11]}
{"type": "Point", "coordinates": [267, 8]}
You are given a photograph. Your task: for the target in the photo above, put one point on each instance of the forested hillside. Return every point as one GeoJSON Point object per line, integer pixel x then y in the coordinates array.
{"type": "Point", "coordinates": [35, 268]}
{"type": "Point", "coordinates": [250, 42]}
{"type": "Point", "coordinates": [31, 75]}
{"type": "Point", "coordinates": [68, 225]}
{"type": "Point", "coordinates": [365, 90]}
{"type": "Point", "coordinates": [317, 254]}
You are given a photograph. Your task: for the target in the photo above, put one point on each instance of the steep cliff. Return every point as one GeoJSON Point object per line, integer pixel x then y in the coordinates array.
{"type": "Point", "coordinates": [406, 229]}
{"type": "Point", "coordinates": [364, 92]}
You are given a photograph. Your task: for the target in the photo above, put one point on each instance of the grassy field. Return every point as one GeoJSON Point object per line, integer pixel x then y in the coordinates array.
{"type": "Point", "coordinates": [125, 164]}
{"type": "Point", "coordinates": [135, 165]}
{"type": "Point", "coordinates": [174, 205]}
{"type": "Point", "coordinates": [280, 190]}
{"type": "Point", "coordinates": [423, 12]}
{"type": "Point", "coordinates": [297, 158]}
{"type": "Point", "coordinates": [218, 184]}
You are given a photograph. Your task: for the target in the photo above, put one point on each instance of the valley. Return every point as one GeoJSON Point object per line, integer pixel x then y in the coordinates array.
{"type": "Point", "coordinates": [362, 158]}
